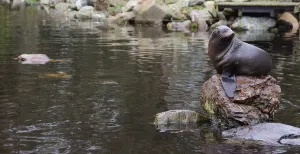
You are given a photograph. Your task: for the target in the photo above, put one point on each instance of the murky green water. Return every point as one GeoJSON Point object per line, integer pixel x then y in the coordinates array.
{"type": "Point", "coordinates": [120, 78]}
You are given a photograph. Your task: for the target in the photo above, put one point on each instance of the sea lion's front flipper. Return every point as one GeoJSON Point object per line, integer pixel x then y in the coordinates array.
{"type": "Point", "coordinates": [228, 83]}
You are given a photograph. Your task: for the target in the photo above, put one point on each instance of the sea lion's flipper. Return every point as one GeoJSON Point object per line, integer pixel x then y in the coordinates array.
{"type": "Point", "coordinates": [228, 83]}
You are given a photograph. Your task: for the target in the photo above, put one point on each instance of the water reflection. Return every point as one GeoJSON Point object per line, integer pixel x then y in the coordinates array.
{"type": "Point", "coordinates": [120, 77]}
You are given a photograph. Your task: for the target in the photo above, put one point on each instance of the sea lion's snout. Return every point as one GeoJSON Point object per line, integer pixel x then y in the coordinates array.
{"type": "Point", "coordinates": [224, 31]}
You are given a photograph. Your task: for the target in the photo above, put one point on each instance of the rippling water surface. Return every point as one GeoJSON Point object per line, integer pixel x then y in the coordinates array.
{"type": "Point", "coordinates": [117, 79]}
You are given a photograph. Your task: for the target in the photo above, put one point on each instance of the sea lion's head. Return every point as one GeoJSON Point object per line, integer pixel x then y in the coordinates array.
{"type": "Point", "coordinates": [219, 39]}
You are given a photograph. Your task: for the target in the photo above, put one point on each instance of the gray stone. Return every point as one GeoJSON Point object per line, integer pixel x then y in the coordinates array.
{"type": "Point", "coordinates": [45, 2]}
{"type": "Point", "coordinates": [62, 6]}
{"type": "Point", "coordinates": [200, 17]}
{"type": "Point", "coordinates": [130, 5]}
{"type": "Point", "coordinates": [217, 24]}
{"type": "Point", "coordinates": [99, 16]}
{"type": "Point", "coordinates": [86, 12]}
{"type": "Point", "coordinates": [267, 133]}
{"type": "Point", "coordinates": [253, 23]}
{"type": "Point", "coordinates": [71, 14]}
{"type": "Point", "coordinates": [195, 2]}
{"type": "Point", "coordinates": [121, 18]}
{"type": "Point", "coordinates": [176, 116]}
{"type": "Point", "coordinates": [151, 11]}
{"type": "Point", "coordinates": [179, 5]}
{"type": "Point", "coordinates": [80, 4]}
{"type": "Point", "coordinates": [255, 100]}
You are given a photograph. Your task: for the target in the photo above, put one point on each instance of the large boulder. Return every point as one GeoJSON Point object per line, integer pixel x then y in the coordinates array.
{"type": "Point", "coordinates": [266, 133]}
{"type": "Point", "coordinates": [253, 23]}
{"type": "Point", "coordinates": [151, 11]}
{"type": "Point", "coordinates": [255, 100]}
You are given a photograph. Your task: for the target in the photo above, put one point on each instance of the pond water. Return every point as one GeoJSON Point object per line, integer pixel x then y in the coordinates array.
{"type": "Point", "coordinates": [114, 81]}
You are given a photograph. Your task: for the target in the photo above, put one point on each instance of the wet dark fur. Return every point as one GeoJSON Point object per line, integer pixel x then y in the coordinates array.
{"type": "Point", "coordinates": [237, 57]}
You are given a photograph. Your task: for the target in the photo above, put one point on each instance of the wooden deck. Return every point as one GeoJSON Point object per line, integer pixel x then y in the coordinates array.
{"type": "Point", "coordinates": [260, 7]}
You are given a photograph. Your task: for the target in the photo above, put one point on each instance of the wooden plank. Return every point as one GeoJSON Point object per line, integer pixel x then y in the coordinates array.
{"type": "Point", "coordinates": [258, 4]}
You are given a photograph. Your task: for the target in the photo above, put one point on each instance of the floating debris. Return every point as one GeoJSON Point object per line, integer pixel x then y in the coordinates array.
{"type": "Point", "coordinates": [38, 59]}
{"type": "Point", "coordinates": [109, 82]}
{"type": "Point", "coordinates": [56, 75]}
{"type": "Point", "coordinates": [33, 58]}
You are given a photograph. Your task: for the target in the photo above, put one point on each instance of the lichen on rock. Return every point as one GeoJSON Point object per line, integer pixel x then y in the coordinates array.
{"type": "Point", "coordinates": [255, 101]}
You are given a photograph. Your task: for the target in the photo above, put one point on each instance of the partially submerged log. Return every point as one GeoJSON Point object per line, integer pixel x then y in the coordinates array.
{"type": "Point", "coordinates": [255, 101]}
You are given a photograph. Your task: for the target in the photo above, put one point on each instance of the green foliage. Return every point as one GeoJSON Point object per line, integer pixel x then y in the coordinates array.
{"type": "Point", "coordinates": [31, 1]}
{"type": "Point", "coordinates": [115, 9]}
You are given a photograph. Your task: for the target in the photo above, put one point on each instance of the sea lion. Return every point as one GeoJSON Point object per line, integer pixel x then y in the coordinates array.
{"type": "Point", "coordinates": [231, 57]}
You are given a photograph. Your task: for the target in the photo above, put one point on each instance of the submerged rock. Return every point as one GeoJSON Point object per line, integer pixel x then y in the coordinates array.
{"type": "Point", "coordinates": [55, 75]}
{"type": "Point", "coordinates": [253, 23]}
{"type": "Point", "coordinates": [33, 58]}
{"type": "Point", "coordinates": [255, 100]}
{"type": "Point", "coordinates": [267, 133]}
{"type": "Point", "coordinates": [176, 116]}
{"type": "Point", "coordinates": [255, 35]}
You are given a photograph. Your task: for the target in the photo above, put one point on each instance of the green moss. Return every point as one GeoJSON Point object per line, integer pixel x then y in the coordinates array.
{"type": "Point", "coordinates": [31, 1]}
{"type": "Point", "coordinates": [209, 107]}
{"type": "Point", "coordinates": [194, 26]}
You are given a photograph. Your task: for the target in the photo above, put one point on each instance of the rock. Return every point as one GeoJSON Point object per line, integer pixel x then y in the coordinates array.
{"type": "Point", "coordinates": [117, 2]}
{"type": "Point", "coordinates": [45, 2]}
{"type": "Point", "coordinates": [219, 23]}
{"type": "Point", "coordinates": [210, 5]}
{"type": "Point", "coordinates": [179, 26]}
{"type": "Point", "coordinates": [200, 17]}
{"type": "Point", "coordinates": [121, 18]}
{"type": "Point", "coordinates": [86, 12]}
{"type": "Point", "coordinates": [99, 16]}
{"type": "Point", "coordinates": [195, 2]}
{"type": "Point", "coordinates": [179, 5]}
{"type": "Point", "coordinates": [62, 6]}
{"type": "Point", "coordinates": [17, 4]}
{"type": "Point", "coordinates": [177, 116]}
{"type": "Point", "coordinates": [80, 3]}
{"type": "Point", "coordinates": [170, 1]}
{"type": "Point", "coordinates": [253, 23]}
{"type": "Point", "coordinates": [268, 133]}
{"type": "Point", "coordinates": [151, 11]}
{"type": "Point", "coordinates": [254, 101]}
{"type": "Point", "coordinates": [71, 14]}
{"type": "Point", "coordinates": [101, 5]}
{"type": "Point", "coordinates": [130, 5]}
{"type": "Point", "coordinates": [33, 58]}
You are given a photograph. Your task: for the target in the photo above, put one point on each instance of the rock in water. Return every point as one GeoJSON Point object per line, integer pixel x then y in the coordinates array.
{"type": "Point", "coordinates": [33, 58]}
{"type": "Point", "coordinates": [255, 100]}
{"type": "Point", "coordinates": [177, 120]}
{"type": "Point", "coordinates": [268, 133]}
